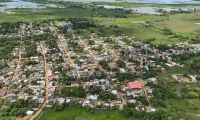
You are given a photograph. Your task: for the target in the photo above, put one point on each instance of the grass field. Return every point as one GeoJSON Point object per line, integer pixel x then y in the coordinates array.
{"type": "Point", "coordinates": [27, 15]}
{"type": "Point", "coordinates": [135, 25]}
{"type": "Point", "coordinates": [132, 5]}
{"type": "Point", "coordinates": [76, 113]}
{"type": "Point", "coordinates": [184, 23]}
{"type": "Point", "coordinates": [8, 118]}
{"type": "Point", "coordinates": [182, 104]}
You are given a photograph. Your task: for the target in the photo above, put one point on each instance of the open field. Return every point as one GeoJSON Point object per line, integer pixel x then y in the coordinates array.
{"type": "Point", "coordinates": [8, 118]}
{"type": "Point", "coordinates": [76, 113]}
{"type": "Point", "coordinates": [135, 26]}
{"type": "Point", "coordinates": [142, 27]}
{"type": "Point", "coordinates": [183, 104]}
{"type": "Point", "coordinates": [184, 23]}
{"type": "Point", "coordinates": [132, 5]}
{"type": "Point", "coordinates": [121, 4]}
{"type": "Point", "coordinates": [26, 15]}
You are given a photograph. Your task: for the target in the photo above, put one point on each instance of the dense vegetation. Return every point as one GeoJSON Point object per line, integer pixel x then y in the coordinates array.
{"type": "Point", "coordinates": [17, 108]}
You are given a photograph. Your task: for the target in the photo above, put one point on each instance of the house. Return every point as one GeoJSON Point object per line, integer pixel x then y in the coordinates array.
{"type": "Point", "coordinates": [114, 92]}
{"type": "Point", "coordinates": [132, 101]}
{"type": "Point", "coordinates": [136, 85]}
{"type": "Point", "coordinates": [75, 84]}
{"type": "Point", "coordinates": [29, 112]}
{"type": "Point", "coordinates": [153, 80]}
{"type": "Point", "coordinates": [88, 103]}
{"type": "Point", "coordinates": [41, 100]}
{"type": "Point", "coordinates": [150, 109]}
{"type": "Point", "coordinates": [67, 100]}
{"type": "Point", "coordinates": [108, 105]}
{"type": "Point", "coordinates": [52, 77]}
{"type": "Point", "coordinates": [61, 100]}
{"type": "Point", "coordinates": [93, 97]}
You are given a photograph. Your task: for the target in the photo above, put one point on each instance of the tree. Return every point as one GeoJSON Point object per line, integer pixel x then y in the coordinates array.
{"type": "Point", "coordinates": [127, 112]}
{"type": "Point", "coordinates": [131, 112]}
{"type": "Point", "coordinates": [162, 91]}
{"type": "Point", "coordinates": [167, 31]}
{"type": "Point", "coordinates": [59, 107]}
{"type": "Point", "coordinates": [169, 114]}
{"type": "Point", "coordinates": [105, 96]}
{"type": "Point", "coordinates": [121, 63]}
{"type": "Point", "coordinates": [196, 66]}
{"type": "Point", "coordinates": [94, 90]}
{"type": "Point", "coordinates": [104, 64]}
{"type": "Point", "coordinates": [158, 115]}
{"type": "Point", "coordinates": [73, 92]}
{"type": "Point", "coordinates": [125, 76]}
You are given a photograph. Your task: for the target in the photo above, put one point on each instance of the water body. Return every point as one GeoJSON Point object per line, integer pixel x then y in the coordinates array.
{"type": "Point", "coordinates": [86, 1]}
{"type": "Point", "coordinates": [144, 1]}
{"type": "Point", "coordinates": [164, 1]}
{"type": "Point", "coordinates": [110, 7]}
{"type": "Point", "coordinates": [22, 4]}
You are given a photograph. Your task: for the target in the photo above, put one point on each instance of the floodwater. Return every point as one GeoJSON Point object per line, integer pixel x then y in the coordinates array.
{"type": "Point", "coordinates": [165, 1]}
{"type": "Point", "coordinates": [22, 4]}
{"type": "Point", "coordinates": [110, 7]}
{"type": "Point", "coordinates": [144, 1]}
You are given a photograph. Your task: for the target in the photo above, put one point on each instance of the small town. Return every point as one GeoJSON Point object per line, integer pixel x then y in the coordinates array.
{"type": "Point", "coordinates": [53, 66]}
{"type": "Point", "coordinates": [99, 60]}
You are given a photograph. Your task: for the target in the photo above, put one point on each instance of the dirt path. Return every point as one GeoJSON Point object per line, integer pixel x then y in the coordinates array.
{"type": "Point", "coordinates": [15, 72]}
{"type": "Point", "coordinates": [66, 52]}
{"type": "Point", "coordinates": [37, 114]}
{"type": "Point", "coordinates": [198, 115]}
{"type": "Point", "coordinates": [93, 55]}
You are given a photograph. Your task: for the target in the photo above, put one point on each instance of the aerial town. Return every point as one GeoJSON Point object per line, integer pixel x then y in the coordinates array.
{"type": "Point", "coordinates": [99, 60]}
{"type": "Point", "coordinates": [93, 72]}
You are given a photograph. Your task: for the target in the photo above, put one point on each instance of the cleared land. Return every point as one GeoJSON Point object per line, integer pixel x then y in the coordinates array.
{"type": "Point", "coordinates": [76, 113]}
{"type": "Point", "coordinates": [178, 23]}
{"type": "Point", "coordinates": [131, 5]}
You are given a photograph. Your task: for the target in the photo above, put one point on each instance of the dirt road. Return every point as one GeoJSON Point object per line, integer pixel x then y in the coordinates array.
{"type": "Point", "coordinates": [37, 114]}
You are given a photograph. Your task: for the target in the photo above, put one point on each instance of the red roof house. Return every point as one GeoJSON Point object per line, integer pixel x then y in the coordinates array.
{"type": "Point", "coordinates": [52, 76]}
{"type": "Point", "coordinates": [135, 85]}
{"type": "Point", "coordinates": [8, 78]}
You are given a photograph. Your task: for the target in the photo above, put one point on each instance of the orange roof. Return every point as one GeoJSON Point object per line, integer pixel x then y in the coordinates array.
{"type": "Point", "coordinates": [135, 85]}
{"type": "Point", "coordinates": [52, 76]}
